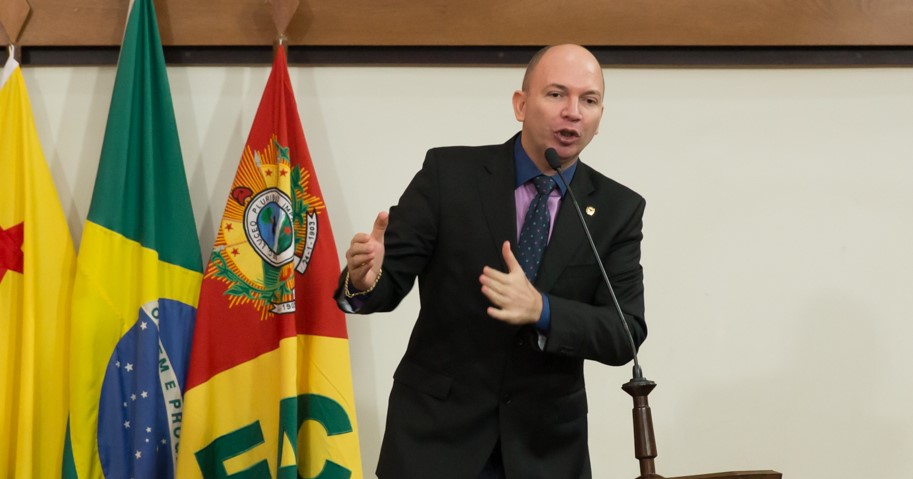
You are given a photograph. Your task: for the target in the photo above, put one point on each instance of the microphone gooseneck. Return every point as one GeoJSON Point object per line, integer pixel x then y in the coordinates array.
{"type": "Point", "coordinates": [551, 156]}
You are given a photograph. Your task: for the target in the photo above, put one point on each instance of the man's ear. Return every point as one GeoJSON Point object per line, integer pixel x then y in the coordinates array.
{"type": "Point", "coordinates": [519, 101]}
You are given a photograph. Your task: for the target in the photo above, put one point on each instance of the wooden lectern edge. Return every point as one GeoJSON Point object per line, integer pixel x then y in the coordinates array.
{"type": "Point", "coordinates": [735, 475]}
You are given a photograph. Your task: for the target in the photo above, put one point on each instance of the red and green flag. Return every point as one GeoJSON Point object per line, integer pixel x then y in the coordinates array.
{"type": "Point", "coordinates": [269, 392]}
{"type": "Point", "coordinates": [137, 281]}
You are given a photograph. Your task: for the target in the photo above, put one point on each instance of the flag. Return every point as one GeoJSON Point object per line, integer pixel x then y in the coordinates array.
{"type": "Point", "coordinates": [269, 392]}
{"type": "Point", "coordinates": [37, 264]}
{"type": "Point", "coordinates": [137, 280]}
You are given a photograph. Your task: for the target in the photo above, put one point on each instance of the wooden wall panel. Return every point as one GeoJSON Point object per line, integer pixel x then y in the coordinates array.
{"type": "Point", "coordinates": [487, 22]}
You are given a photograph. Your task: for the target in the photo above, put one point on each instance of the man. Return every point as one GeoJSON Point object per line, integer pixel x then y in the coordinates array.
{"type": "Point", "coordinates": [491, 384]}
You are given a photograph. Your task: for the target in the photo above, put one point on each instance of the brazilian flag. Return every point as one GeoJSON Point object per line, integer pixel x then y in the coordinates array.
{"type": "Point", "coordinates": [137, 282]}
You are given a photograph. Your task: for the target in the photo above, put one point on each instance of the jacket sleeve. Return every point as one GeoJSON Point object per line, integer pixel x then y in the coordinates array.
{"type": "Point", "coordinates": [409, 242]}
{"type": "Point", "coordinates": [589, 327]}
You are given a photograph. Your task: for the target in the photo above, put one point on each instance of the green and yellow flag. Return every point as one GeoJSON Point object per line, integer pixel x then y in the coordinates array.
{"type": "Point", "coordinates": [37, 264]}
{"type": "Point", "coordinates": [269, 392]}
{"type": "Point", "coordinates": [137, 282]}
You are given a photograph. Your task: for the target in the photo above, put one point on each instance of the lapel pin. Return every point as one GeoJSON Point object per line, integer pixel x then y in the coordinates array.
{"type": "Point", "coordinates": [590, 211]}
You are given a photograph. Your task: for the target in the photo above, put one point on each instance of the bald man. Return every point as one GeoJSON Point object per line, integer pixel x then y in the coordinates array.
{"type": "Point", "coordinates": [491, 384]}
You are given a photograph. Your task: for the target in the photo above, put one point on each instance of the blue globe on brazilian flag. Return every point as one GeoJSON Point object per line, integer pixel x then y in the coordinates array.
{"type": "Point", "coordinates": [141, 406]}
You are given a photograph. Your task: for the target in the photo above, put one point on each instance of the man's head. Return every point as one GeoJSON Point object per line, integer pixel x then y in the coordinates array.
{"type": "Point", "coordinates": [561, 103]}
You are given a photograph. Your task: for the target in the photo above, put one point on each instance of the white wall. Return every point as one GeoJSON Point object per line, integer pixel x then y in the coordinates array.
{"type": "Point", "coordinates": [777, 237]}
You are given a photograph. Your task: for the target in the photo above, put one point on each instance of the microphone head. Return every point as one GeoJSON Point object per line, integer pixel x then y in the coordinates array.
{"type": "Point", "coordinates": [551, 156]}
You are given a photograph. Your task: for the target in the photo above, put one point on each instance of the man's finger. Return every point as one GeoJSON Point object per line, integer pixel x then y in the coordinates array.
{"type": "Point", "coordinates": [493, 276]}
{"type": "Point", "coordinates": [497, 313]}
{"type": "Point", "coordinates": [380, 226]}
{"type": "Point", "coordinates": [509, 258]}
{"type": "Point", "coordinates": [495, 297]}
{"type": "Point", "coordinates": [359, 249]}
{"type": "Point", "coordinates": [359, 238]}
{"type": "Point", "coordinates": [359, 260]}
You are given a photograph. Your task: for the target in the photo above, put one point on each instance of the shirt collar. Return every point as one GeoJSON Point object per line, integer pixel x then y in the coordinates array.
{"type": "Point", "coordinates": [525, 169]}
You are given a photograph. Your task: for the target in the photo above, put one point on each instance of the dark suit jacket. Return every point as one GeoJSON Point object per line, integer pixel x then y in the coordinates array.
{"type": "Point", "coordinates": [466, 379]}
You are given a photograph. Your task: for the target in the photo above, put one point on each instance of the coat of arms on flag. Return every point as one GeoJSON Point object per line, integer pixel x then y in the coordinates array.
{"type": "Point", "coordinates": [267, 234]}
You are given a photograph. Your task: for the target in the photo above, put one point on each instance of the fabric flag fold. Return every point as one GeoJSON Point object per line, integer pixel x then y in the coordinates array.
{"type": "Point", "coordinates": [269, 392]}
{"type": "Point", "coordinates": [37, 264]}
{"type": "Point", "coordinates": [137, 281]}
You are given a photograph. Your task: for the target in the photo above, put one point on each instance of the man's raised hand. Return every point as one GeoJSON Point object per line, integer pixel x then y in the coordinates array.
{"type": "Point", "coordinates": [365, 255]}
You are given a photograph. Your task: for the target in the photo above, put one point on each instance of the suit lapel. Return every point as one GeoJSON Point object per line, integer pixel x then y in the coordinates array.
{"type": "Point", "coordinates": [496, 195]}
{"type": "Point", "coordinates": [567, 234]}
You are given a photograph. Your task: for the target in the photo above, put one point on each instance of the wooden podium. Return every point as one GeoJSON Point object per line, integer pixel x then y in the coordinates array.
{"type": "Point", "coordinates": [645, 443]}
{"type": "Point", "coordinates": [735, 475]}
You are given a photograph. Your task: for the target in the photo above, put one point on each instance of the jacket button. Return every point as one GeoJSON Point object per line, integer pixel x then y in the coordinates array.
{"type": "Point", "coordinates": [505, 398]}
{"type": "Point", "coordinates": [520, 342]}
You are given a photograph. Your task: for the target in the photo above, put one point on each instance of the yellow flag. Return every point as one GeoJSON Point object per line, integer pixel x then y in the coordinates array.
{"type": "Point", "coordinates": [37, 266]}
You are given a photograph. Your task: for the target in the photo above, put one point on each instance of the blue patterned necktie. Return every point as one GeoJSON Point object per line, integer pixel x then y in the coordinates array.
{"type": "Point", "coordinates": [534, 233]}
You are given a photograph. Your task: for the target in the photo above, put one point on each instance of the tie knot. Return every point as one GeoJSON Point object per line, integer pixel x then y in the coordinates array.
{"type": "Point", "coordinates": [544, 184]}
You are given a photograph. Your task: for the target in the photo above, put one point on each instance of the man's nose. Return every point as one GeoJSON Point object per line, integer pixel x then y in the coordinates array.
{"type": "Point", "coordinates": [571, 110]}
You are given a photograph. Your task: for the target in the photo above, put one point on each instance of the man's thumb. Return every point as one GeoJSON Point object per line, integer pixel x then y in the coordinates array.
{"type": "Point", "coordinates": [509, 258]}
{"type": "Point", "coordinates": [380, 226]}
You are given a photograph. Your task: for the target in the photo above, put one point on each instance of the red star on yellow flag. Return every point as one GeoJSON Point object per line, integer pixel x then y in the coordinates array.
{"type": "Point", "coordinates": [11, 249]}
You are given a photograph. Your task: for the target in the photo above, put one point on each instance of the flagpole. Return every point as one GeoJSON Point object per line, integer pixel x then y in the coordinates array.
{"type": "Point", "coordinates": [14, 53]}
{"type": "Point", "coordinates": [283, 11]}
{"type": "Point", "coordinates": [281, 42]}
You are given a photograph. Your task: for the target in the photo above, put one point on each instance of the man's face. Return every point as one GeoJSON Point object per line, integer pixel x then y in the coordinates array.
{"type": "Point", "coordinates": [562, 104]}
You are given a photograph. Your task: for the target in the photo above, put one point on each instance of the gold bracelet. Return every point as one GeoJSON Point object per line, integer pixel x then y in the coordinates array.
{"type": "Point", "coordinates": [361, 293]}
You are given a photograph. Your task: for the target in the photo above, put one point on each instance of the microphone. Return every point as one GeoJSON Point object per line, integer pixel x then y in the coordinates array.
{"type": "Point", "coordinates": [551, 156]}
